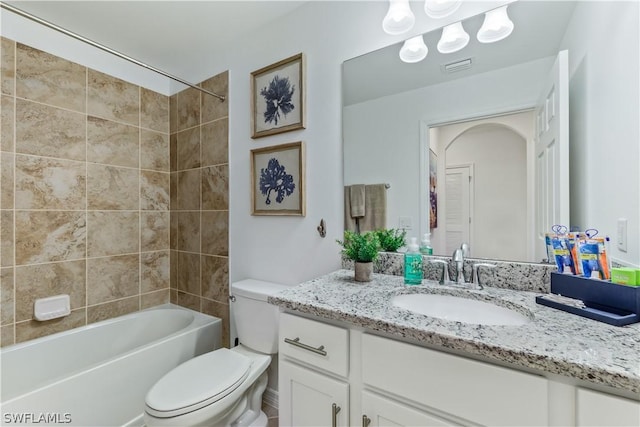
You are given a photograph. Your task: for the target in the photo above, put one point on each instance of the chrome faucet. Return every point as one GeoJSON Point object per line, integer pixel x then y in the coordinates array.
{"type": "Point", "coordinates": [458, 259]}
{"type": "Point", "coordinates": [444, 278]}
{"type": "Point", "coordinates": [475, 275]}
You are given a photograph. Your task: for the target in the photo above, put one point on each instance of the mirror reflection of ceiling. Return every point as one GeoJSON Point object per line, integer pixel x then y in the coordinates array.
{"type": "Point", "coordinates": [539, 28]}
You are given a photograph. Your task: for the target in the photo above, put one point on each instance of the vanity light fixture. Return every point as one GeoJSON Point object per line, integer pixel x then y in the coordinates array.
{"type": "Point", "coordinates": [453, 38]}
{"type": "Point", "coordinates": [441, 8]}
{"type": "Point", "coordinates": [399, 18]}
{"type": "Point", "coordinates": [414, 50]}
{"type": "Point", "coordinates": [496, 26]}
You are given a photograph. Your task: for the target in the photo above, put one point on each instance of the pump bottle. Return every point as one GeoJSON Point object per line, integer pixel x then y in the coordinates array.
{"type": "Point", "coordinates": [413, 263]}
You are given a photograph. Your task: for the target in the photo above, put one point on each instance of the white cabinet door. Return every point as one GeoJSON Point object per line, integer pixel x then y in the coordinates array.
{"type": "Point", "coordinates": [599, 409]}
{"type": "Point", "coordinates": [385, 412]}
{"type": "Point", "coordinates": [308, 398]}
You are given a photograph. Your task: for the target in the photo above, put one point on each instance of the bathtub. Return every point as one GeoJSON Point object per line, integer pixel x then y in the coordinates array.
{"type": "Point", "coordinates": [99, 374]}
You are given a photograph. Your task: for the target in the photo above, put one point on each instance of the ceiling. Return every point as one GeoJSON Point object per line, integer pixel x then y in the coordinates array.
{"type": "Point", "coordinates": [170, 35]}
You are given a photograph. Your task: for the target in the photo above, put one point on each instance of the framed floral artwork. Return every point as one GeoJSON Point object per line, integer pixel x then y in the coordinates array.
{"type": "Point", "coordinates": [278, 97]}
{"type": "Point", "coordinates": [278, 179]}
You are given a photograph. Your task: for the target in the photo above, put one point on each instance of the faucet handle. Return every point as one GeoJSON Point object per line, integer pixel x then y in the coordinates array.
{"type": "Point", "coordinates": [445, 270]}
{"type": "Point", "coordinates": [466, 249]}
{"type": "Point", "coordinates": [475, 278]}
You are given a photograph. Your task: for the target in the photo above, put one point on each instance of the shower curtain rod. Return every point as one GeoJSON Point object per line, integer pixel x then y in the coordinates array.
{"type": "Point", "coordinates": [104, 48]}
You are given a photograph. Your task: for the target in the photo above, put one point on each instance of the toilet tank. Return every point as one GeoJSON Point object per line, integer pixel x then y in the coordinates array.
{"type": "Point", "coordinates": [256, 320]}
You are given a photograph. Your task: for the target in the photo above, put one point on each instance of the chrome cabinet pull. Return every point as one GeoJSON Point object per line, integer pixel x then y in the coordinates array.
{"type": "Point", "coordinates": [334, 415]}
{"type": "Point", "coordinates": [366, 421]}
{"type": "Point", "coordinates": [297, 343]}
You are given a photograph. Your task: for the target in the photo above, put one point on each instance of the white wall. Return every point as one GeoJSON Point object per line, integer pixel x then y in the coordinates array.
{"type": "Point", "coordinates": [604, 130]}
{"type": "Point", "coordinates": [382, 136]}
{"type": "Point", "coordinates": [499, 159]}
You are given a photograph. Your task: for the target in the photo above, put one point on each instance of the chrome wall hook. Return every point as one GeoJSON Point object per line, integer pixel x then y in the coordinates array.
{"type": "Point", "coordinates": [322, 229]}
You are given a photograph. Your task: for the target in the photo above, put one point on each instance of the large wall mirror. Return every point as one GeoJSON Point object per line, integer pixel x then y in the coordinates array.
{"type": "Point", "coordinates": [468, 129]}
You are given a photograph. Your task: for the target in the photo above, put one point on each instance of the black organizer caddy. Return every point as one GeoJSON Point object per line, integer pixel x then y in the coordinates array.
{"type": "Point", "coordinates": [606, 302]}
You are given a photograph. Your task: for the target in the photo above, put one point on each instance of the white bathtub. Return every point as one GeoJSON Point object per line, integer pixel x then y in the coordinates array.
{"type": "Point", "coordinates": [99, 374]}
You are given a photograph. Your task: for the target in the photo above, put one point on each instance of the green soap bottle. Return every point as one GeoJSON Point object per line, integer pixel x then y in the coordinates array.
{"type": "Point", "coordinates": [413, 264]}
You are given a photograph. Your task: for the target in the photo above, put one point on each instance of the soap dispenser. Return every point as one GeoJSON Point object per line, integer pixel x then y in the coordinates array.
{"type": "Point", "coordinates": [425, 245]}
{"type": "Point", "coordinates": [413, 263]}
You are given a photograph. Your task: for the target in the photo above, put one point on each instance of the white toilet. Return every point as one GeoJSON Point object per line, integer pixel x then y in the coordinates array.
{"type": "Point", "coordinates": [223, 387]}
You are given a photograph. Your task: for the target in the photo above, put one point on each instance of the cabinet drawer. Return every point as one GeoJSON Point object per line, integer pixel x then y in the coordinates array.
{"type": "Point", "coordinates": [598, 409]}
{"type": "Point", "coordinates": [303, 336]}
{"type": "Point", "coordinates": [472, 390]}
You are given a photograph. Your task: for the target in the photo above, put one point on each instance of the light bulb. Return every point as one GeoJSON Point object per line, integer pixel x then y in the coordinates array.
{"type": "Point", "coordinates": [496, 26]}
{"type": "Point", "coordinates": [441, 8]}
{"type": "Point", "coordinates": [453, 38]}
{"type": "Point", "coordinates": [399, 19]}
{"type": "Point", "coordinates": [414, 50]}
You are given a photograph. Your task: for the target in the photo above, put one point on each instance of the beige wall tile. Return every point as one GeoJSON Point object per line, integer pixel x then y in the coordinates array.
{"type": "Point", "coordinates": [173, 113]}
{"type": "Point", "coordinates": [112, 278]}
{"type": "Point", "coordinates": [7, 335]}
{"type": "Point", "coordinates": [154, 232]}
{"type": "Point", "coordinates": [188, 189]}
{"type": "Point", "coordinates": [112, 188]}
{"type": "Point", "coordinates": [112, 98]}
{"type": "Point", "coordinates": [47, 236]}
{"type": "Point", "coordinates": [215, 233]}
{"type": "Point", "coordinates": [188, 231]}
{"type": "Point", "coordinates": [189, 273]}
{"type": "Point", "coordinates": [46, 280]}
{"type": "Point", "coordinates": [32, 329]}
{"type": "Point", "coordinates": [188, 149]}
{"type": "Point", "coordinates": [215, 188]}
{"type": "Point", "coordinates": [215, 142]}
{"type": "Point", "coordinates": [6, 238]}
{"type": "Point", "coordinates": [220, 310]}
{"type": "Point", "coordinates": [112, 233]}
{"type": "Point", "coordinates": [46, 183]}
{"type": "Point", "coordinates": [154, 271]}
{"type": "Point", "coordinates": [7, 123]}
{"type": "Point", "coordinates": [7, 306]}
{"type": "Point", "coordinates": [215, 278]}
{"type": "Point", "coordinates": [154, 110]}
{"type": "Point", "coordinates": [112, 143]}
{"type": "Point", "coordinates": [173, 296]}
{"type": "Point", "coordinates": [188, 108]}
{"type": "Point", "coordinates": [153, 299]}
{"type": "Point", "coordinates": [212, 107]}
{"type": "Point", "coordinates": [112, 309]}
{"type": "Point", "coordinates": [173, 191]}
{"type": "Point", "coordinates": [7, 66]}
{"type": "Point", "coordinates": [188, 300]}
{"type": "Point", "coordinates": [50, 131]}
{"type": "Point", "coordinates": [154, 191]}
{"type": "Point", "coordinates": [154, 150]}
{"type": "Point", "coordinates": [173, 230]}
{"type": "Point", "coordinates": [49, 79]}
{"type": "Point", "coordinates": [173, 270]}
{"type": "Point", "coordinates": [7, 179]}
{"type": "Point", "coordinates": [173, 152]}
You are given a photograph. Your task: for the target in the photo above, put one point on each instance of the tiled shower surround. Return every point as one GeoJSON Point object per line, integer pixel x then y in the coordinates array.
{"type": "Point", "coordinates": [90, 203]}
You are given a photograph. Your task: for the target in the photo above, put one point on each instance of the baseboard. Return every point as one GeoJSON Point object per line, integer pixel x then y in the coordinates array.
{"type": "Point", "coordinates": [270, 397]}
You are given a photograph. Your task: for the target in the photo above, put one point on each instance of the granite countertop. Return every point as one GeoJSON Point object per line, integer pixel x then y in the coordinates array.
{"type": "Point", "coordinates": [554, 341]}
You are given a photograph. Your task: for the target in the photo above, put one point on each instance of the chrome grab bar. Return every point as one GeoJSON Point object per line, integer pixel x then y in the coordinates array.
{"type": "Point", "coordinates": [296, 342]}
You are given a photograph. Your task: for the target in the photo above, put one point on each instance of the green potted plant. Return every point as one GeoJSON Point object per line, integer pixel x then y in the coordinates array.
{"type": "Point", "coordinates": [391, 239]}
{"type": "Point", "coordinates": [363, 250]}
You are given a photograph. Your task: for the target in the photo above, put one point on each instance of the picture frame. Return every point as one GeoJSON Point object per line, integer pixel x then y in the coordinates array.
{"type": "Point", "coordinates": [433, 185]}
{"type": "Point", "coordinates": [278, 97]}
{"type": "Point", "coordinates": [278, 180]}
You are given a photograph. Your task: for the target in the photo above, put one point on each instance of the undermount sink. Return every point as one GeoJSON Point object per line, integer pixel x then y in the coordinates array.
{"type": "Point", "coordinates": [458, 309]}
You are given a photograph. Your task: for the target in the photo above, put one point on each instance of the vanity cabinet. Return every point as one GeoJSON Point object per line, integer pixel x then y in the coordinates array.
{"type": "Point", "coordinates": [599, 409]}
{"type": "Point", "coordinates": [312, 373]}
{"type": "Point", "coordinates": [331, 375]}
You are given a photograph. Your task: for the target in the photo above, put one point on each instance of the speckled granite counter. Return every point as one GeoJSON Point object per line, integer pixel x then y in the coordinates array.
{"type": "Point", "coordinates": [554, 341]}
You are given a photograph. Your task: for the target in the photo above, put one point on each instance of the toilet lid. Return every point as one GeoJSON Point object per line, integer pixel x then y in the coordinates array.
{"type": "Point", "coordinates": [197, 383]}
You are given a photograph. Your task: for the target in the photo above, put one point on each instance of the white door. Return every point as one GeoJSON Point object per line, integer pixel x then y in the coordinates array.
{"type": "Point", "coordinates": [458, 207]}
{"type": "Point", "coordinates": [552, 152]}
{"type": "Point", "coordinates": [308, 398]}
{"type": "Point", "coordinates": [383, 412]}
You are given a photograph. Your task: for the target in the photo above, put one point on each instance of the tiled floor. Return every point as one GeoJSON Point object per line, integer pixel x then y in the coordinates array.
{"type": "Point", "coordinates": [272, 414]}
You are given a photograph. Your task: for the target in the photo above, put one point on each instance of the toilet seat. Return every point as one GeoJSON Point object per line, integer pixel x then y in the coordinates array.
{"type": "Point", "coordinates": [197, 383]}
